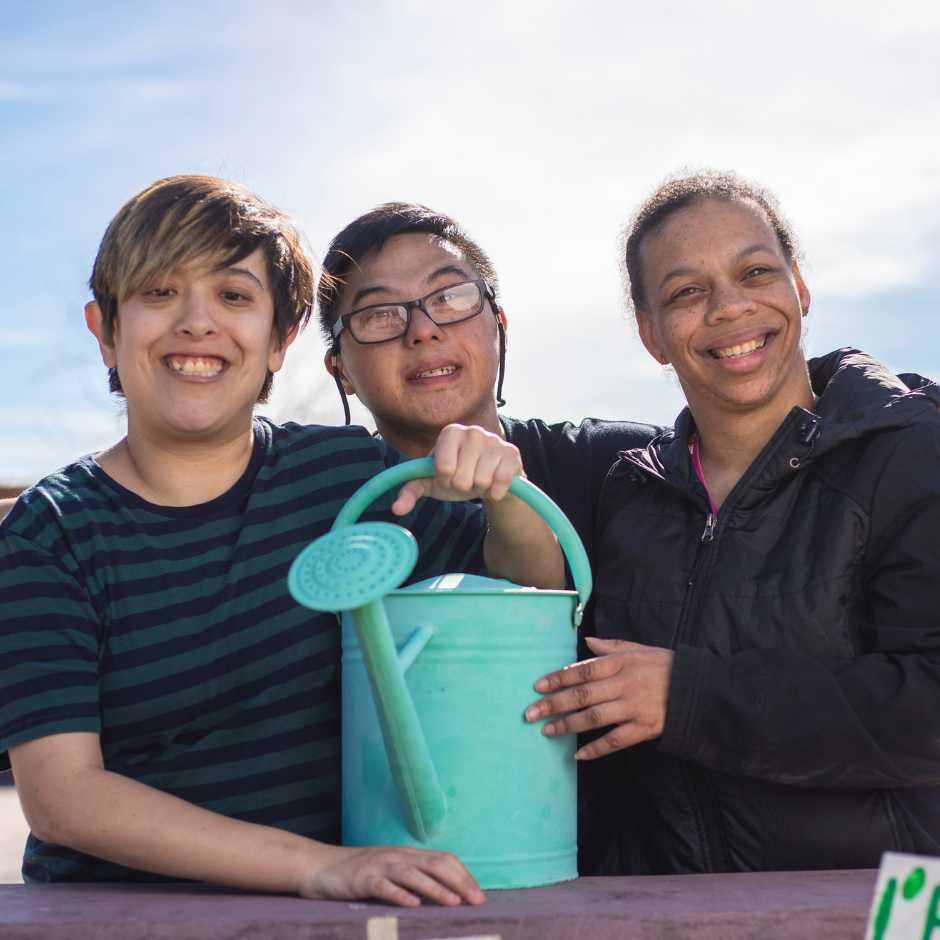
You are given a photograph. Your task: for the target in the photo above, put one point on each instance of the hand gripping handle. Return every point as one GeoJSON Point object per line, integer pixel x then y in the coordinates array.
{"type": "Point", "coordinates": [528, 492]}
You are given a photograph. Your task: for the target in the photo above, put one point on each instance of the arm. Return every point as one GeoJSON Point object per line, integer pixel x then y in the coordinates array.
{"type": "Point", "coordinates": [70, 799]}
{"type": "Point", "coordinates": [472, 463]}
{"type": "Point", "coordinates": [776, 714]}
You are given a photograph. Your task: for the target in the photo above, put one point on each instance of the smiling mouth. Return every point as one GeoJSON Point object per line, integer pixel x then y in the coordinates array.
{"type": "Point", "coordinates": [203, 366]}
{"type": "Point", "coordinates": [735, 352]}
{"type": "Point", "coordinates": [444, 370]}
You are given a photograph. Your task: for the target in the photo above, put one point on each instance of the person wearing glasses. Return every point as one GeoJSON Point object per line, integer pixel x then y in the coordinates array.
{"type": "Point", "coordinates": [768, 575]}
{"type": "Point", "coordinates": [408, 304]}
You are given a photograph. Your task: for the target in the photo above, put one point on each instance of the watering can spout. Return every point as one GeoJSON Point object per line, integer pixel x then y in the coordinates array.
{"type": "Point", "coordinates": [420, 796]}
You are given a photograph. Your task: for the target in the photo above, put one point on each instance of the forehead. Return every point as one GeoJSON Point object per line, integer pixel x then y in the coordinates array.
{"type": "Point", "coordinates": [405, 261]}
{"type": "Point", "coordinates": [712, 227]}
{"type": "Point", "coordinates": [254, 265]}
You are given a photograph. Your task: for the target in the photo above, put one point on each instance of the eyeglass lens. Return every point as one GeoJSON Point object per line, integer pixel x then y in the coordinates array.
{"type": "Point", "coordinates": [386, 321]}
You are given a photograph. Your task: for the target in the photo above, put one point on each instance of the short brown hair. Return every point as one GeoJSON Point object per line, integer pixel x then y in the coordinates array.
{"type": "Point", "coordinates": [176, 220]}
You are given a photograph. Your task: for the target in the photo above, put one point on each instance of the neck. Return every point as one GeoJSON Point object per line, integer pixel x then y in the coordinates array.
{"type": "Point", "coordinates": [730, 440]}
{"type": "Point", "coordinates": [416, 441]}
{"type": "Point", "coordinates": [171, 473]}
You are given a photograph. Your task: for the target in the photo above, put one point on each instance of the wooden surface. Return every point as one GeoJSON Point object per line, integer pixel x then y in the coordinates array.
{"type": "Point", "coordinates": [803, 905]}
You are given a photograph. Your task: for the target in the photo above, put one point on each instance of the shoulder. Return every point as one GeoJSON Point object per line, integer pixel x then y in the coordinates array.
{"type": "Point", "coordinates": [56, 503]}
{"type": "Point", "coordinates": [589, 433]}
{"type": "Point", "coordinates": [293, 445]}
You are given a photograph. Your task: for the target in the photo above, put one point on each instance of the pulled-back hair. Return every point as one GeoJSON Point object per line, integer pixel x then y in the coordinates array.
{"type": "Point", "coordinates": [366, 236]}
{"type": "Point", "coordinates": [178, 220]}
{"type": "Point", "coordinates": [682, 192]}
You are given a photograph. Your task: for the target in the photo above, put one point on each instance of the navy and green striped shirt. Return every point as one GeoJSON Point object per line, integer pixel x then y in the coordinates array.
{"type": "Point", "coordinates": [170, 631]}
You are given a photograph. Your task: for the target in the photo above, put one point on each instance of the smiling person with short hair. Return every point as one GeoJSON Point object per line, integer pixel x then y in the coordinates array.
{"type": "Point", "coordinates": [408, 304]}
{"type": "Point", "coordinates": [169, 711]}
{"type": "Point", "coordinates": [768, 579]}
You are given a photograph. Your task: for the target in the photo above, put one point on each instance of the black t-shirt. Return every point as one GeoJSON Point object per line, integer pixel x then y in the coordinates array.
{"type": "Point", "coordinates": [570, 461]}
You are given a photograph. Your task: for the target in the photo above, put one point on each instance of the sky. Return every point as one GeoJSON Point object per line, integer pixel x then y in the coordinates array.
{"type": "Point", "coordinates": [539, 125]}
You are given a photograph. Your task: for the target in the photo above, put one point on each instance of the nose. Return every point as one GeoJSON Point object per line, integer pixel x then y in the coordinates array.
{"type": "Point", "coordinates": [422, 328]}
{"type": "Point", "coordinates": [195, 315]}
{"type": "Point", "coordinates": [728, 302]}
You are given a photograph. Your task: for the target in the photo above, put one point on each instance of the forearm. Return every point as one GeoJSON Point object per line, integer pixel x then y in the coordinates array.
{"type": "Point", "coordinates": [777, 715]}
{"type": "Point", "coordinates": [112, 817]}
{"type": "Point", "coordinates": [520, 546]}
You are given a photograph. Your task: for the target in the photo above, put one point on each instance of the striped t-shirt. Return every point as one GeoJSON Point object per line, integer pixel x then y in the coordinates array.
{"type": "Point", "coordinates": [170, 631]}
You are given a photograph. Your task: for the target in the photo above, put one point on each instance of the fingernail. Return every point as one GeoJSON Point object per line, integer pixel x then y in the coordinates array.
{"type": "Point", "coordinates": [531, 713]}
{"type": "Point", "coordinates": [541, 685]}
{"type": "Point", "coordinates": [549, 729]}
{"type": "Point", "coordinates": [580, 755]}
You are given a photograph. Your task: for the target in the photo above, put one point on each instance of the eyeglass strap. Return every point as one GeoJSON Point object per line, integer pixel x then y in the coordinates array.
{"type": "Point", "coordinates": [339, 386]}
{"type": "Point", "coordinates": [500, 401]}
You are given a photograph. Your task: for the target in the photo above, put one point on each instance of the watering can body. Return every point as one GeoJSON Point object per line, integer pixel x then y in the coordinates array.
{"type": "Point", "coordinates": [436, 677]}
{"type": "Point", "coordinates": [511, 792]}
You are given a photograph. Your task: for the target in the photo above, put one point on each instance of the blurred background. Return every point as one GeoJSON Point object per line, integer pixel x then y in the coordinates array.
{"type": "Point", "coordinates": [538, 124]}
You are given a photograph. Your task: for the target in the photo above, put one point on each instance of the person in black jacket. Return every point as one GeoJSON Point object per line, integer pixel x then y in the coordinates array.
{"type": "Point", "coordinates": [768, 575]}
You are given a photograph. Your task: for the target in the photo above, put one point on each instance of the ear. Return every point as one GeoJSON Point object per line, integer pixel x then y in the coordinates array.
{"type": "Point", "coordinates": [801, 289]}
{"type": "Point", "coordinates": [95, 323]}
{"type": "Point", "coordinates": [279, 351]}
{"type": "Point", "coordinates": [650, 337]}
{"type": "Point", "coordinates": [340, 368]}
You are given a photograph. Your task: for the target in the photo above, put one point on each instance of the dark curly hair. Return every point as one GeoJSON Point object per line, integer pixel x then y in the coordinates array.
{"type": "Point", "coordinates": [679, 193]}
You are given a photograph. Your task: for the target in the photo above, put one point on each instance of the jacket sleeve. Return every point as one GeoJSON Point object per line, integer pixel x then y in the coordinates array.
{"type": "Point", "coordinates": [873, 721]}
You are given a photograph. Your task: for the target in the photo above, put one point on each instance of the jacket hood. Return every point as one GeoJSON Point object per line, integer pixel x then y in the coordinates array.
{"type": "Point", "coordinates": [857, 396]}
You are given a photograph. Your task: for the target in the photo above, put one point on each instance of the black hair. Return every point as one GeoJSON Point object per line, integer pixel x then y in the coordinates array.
{"type": "Point", "coordinates": [366, 236]}
{"type": "Point", "coordinates": [681, 192]}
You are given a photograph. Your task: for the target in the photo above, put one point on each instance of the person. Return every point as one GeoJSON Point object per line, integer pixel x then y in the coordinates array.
{"type": "Point", "coordinates": [168, 710]}
{"type": "Point", "coordinates": [408, 307]}
{"type": "Point", "coordinates": [768, 669]}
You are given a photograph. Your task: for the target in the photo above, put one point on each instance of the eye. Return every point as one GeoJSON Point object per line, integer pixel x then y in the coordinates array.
{"type": "Point", "coordinates": [159, 292]}
{"type": "Point", "coordinates": [232, 296]}
{"type": "Point", "coordinates": [757, 270]}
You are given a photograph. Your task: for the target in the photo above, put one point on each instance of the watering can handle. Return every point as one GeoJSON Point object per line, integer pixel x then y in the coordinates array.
{"type": "Point", "coordinates": [528, 492]}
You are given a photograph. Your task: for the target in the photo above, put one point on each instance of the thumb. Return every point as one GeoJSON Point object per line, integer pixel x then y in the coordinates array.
{"type": "Point", "coordinates": [598, 645]}
{"type": "Point", "coordinates": [410, 493]}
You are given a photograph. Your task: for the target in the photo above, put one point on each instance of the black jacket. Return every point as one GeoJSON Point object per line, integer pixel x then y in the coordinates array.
{"type": "Point", "coordinates": [803, 723]}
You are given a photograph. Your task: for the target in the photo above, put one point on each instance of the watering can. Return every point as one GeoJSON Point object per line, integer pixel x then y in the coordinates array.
{"type": "Point", "coordinates": [438, 754]}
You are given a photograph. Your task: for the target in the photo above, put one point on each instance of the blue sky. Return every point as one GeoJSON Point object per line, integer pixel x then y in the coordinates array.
{"type": "Point", "coordinates": [539, 125]}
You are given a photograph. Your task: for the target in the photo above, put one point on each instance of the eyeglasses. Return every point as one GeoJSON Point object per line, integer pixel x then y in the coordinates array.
{"type": "Point", "coordinates": [443, 307]}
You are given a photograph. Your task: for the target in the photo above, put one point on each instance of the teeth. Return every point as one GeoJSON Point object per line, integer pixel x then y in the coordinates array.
{"type": "Point", "coordinates": [205, 368]}
{"type": "Point", "coordinates": [446, 370]}
{"type": "Point", "coordinates": [732, 352]}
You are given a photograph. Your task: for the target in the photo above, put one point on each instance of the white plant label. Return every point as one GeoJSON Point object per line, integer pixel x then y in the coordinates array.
{"type": "Point", "coordinates": [906, 905]}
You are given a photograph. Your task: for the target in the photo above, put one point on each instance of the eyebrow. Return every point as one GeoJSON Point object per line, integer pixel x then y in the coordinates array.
{"type": "Point", "coordinates": [244, 272]}
{"type": "Point", "coordinates": [738, 258]}
{"type": "Point", "coordinates": [364, 292]}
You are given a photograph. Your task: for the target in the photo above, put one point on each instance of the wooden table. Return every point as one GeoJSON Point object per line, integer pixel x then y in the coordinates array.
{"type": "Point", "coordinates": [829, 905]}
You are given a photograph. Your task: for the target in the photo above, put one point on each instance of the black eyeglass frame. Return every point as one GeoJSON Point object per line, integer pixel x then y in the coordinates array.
{"type": "Point", "coordinates": [343, 323]}
{"type": "Point", "coordinates": [488, 294]}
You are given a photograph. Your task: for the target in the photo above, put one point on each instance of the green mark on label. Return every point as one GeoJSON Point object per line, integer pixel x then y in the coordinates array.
{"type": "Point", "coordinates": [932, 922]}
{"type": "Point", "coordinates": [884, 909]}
{"type": "Point", "coordinates": [915, 881]}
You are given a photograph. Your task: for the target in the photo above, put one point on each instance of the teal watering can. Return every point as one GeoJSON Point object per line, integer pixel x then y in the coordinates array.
{"type": "Point", "coordinates": [438, 755]}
